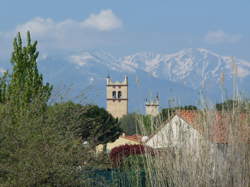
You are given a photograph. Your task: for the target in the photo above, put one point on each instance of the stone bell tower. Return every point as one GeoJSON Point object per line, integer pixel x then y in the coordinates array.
{"type": "Point", "coordinates": [117, 97]}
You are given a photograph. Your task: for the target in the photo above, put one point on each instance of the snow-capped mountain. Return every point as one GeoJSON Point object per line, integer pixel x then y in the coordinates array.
{"type": "Point", "coordinates": [178, 77]}
{"type": "Point", "coordinates": [187, 71]}
{"type": "Point", "coordinates": [192, 67]}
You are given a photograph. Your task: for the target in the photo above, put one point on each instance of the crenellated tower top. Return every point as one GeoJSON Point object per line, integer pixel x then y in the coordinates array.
{"type": "Point", "coordinates": [152, 106]}
{"type": "Point", "coordinates": [117, 83]}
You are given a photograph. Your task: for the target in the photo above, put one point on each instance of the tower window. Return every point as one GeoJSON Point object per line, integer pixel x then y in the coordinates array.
{"type": "Point", "coordinates": [119, 94]}
{"type": "Point", "coordinates": [114, 94]}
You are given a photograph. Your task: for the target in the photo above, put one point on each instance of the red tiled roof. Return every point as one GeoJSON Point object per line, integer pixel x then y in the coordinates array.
{"type": "Point", "coordinates": [218, 126]}
{"type": "Point", "coordinates": [188, 115]}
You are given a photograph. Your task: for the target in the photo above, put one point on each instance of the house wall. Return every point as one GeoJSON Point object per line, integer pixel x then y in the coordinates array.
{"type": "Point", "coordinates": [175, 133]}
{"type": "Point", "coordinates": [188, 142]}
{"type": "Point", "coordinates": [120, 141]}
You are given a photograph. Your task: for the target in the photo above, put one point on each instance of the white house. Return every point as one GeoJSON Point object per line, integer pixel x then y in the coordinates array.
{"type": "Point", "coordinates": [177, 132]}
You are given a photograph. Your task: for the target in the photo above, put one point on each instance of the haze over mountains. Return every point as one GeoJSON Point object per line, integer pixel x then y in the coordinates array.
{"type": "Point", "coordinates": [179, 78]}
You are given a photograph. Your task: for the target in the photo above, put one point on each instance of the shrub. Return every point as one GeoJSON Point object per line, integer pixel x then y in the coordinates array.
{"type": "Point", "coordinates": [118, 154]}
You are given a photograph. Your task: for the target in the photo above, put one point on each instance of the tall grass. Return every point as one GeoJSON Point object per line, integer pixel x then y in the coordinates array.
{"type": "Point", "coordinates": [203, 160]}
{"type": "Point", "coordinates": [200, 155]}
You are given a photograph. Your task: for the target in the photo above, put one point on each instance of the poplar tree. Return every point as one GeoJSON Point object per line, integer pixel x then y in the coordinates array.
{"type": "Point", "coordinates": [25, 85]}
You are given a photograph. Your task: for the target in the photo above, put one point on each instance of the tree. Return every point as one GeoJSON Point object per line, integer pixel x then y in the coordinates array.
{"type": "Point", "coordinates": [93, 124]}
{"type": "Point", "coordinates": [3, 87]}
{"type": "Point", "coordinates": [24, 85]}
{"type": "Point", "coordinates": [33, 152]}
{"type": "Point", "coordinates": [139, 124]}
{"type": "Point", "coordinates": [230, 105]}
{"type": "Point", "coordinates": [99, 127]}
{"type": "Point", "coordinates": [130, 123]}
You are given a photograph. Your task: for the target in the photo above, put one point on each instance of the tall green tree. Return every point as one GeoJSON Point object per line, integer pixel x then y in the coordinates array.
{"type": "Point", "coordinates": [25, 84]}
{"type": "Point", "coordinates": [33, 152]}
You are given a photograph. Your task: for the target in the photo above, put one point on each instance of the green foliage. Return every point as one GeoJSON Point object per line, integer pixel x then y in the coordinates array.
{"type": "Point", "coordinates": [136, 169]}
{"type": "Point", "coordinates": [91, 123]}
{"type": "Point", "coordinates": [3, 87]}
{"type": "Point", "coordinates": [25, 84]}
{"type": "Point", "coordinates": [130, 124]}
{"type": "Point", "coordinates": [99, 127]}
{"type": "Point", "coordinates": [138, 124]}
{"type": "Point", "coordinates": [230, 105]}
{"type": "Point", "coordinates": [34, 151]}
{"type": "Point", "coordinates": [133, 162]}
{"type": "Point", "coordinates": [149, 124]}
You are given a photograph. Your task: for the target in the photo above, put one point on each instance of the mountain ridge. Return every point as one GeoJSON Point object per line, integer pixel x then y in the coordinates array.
{"type": "Point", "coordinates": [188, 71]}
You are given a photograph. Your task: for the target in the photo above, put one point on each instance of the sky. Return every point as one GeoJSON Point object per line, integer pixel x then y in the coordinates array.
{"type": "Point", "coordinates": [126, 27]}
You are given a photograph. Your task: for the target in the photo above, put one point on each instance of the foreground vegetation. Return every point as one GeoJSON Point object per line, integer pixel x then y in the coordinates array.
{"type": "Point", "coordinates": [41, 144]}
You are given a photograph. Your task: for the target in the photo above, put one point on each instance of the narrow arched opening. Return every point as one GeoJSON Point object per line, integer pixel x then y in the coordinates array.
{"type": "Point", "coordinates": [119, 94]}
{"type": "Point", "coordinates": [114, 94]}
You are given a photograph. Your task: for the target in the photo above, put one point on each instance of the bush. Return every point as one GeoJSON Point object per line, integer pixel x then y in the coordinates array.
{"type": "Point", "coordinates": [118, 154]}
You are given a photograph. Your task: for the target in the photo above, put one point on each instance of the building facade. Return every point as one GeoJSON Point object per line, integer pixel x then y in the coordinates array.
{"type": "Point", "coordinates": [117, 97]}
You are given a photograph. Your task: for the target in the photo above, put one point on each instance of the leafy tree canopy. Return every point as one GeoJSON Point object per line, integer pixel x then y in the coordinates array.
{"type": "Point", "coordinates": [93, 124]}
{"type": "Point", "coordinates": [230, 105]}
{"type": "Point", "coordinates": [138, 124]}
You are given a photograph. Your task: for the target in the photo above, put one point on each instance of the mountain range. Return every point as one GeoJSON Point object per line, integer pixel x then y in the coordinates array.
{"type": "Point", "coordinates": [182, 78]}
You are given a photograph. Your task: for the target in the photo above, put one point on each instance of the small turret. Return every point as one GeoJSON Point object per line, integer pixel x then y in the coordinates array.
{"type": "Point", "coordinates": [152, 106]}
{"type": "Point", "coordinates": [126, 79]}
{"type": "Point", "coordinates": [108, 79]}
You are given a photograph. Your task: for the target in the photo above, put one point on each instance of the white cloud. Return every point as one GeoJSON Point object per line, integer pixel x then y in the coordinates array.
{"type": "Point", "coordinates": [219, 36]}
{"type": "Point", "coordinates": [104, 21]}
{"type": "Point", "coordinates": [96, 31]}
{"type": "Point", "coordinates": [38, 26]}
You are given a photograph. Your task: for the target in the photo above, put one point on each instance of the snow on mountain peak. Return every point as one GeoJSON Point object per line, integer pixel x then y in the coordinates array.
{"type": "Point", "coordinates": [82, 59]}
{"type": "Point", "coordinates": [188, 66]}
{"type": "Point", "coordinates": [191, 67]}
